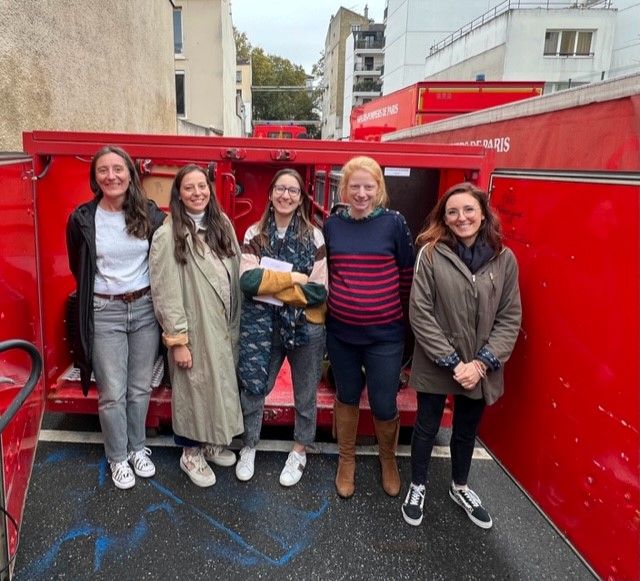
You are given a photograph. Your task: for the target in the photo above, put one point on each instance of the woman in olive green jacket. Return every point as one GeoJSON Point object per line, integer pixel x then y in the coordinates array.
{"type": "Point", "coordinates": [465, 313]}
{"type": "Point", "coordinates": [194, 264]}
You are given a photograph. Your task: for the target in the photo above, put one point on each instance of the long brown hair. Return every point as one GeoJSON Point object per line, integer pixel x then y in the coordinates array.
{"type": "Point", "coordinates": [304, 210]}
{"type": "Point", "coordinates": [372, 167]}
{"type": "Point", "coordinates": [217, 234]}
{"type": "Point", "coordinates": [437, 231]}
{"type": "Point", "coordinates": [136, 216]}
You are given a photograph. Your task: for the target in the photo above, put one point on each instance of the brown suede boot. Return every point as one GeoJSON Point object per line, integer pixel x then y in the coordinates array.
{"type": "Point", "coordinates": [387, 435]}
{"type": "Point", "coordinates": [345, 429]}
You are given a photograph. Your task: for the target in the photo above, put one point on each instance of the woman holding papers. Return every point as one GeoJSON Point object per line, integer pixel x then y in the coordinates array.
{"type": "Point", "coordinates": [283, 275]}
{"type": "Point", "coordinates": [194, 265]}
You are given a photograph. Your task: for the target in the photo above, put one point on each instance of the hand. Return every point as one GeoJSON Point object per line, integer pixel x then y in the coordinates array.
{"type": "Point", "coordinates": [299, 278]}
{"type": "Point", "coordinates": [182, 356]}
{"type": "Point", "coordinates": [467, 375]}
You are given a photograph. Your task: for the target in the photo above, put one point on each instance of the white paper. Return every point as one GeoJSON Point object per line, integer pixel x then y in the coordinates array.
{"type": "Point", "coordinates": [278, 266]}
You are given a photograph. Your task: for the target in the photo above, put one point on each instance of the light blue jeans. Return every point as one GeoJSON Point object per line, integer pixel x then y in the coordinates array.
{"type": "Point", "coordinates": [306, 369]}
{"type": "Point", "coordinates": [125, 346]}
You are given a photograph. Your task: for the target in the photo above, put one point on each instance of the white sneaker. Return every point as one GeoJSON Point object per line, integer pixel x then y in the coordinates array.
{"type": "Point", "coordinates": [122, 475]}
{"type": "Point", "coordinates": [219, 455]}
{"type": "Point", "coordinates": [142, 466]}
{"type": "Point", "coordinates": [245, 465]}
{"type": "Point", "coordinates": [196, 467]}
{"type": "Point", "coordinates": [293, 468]}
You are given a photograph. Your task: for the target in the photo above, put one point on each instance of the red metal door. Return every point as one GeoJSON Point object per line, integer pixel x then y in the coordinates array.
{"type": "Point", "coordinates": [567, 427]}
{"type": "Point", "coordinates": [19, 319]}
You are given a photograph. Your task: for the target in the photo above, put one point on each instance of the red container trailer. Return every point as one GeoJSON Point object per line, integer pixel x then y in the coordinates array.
{"type": "Point", "coordinates": [243, 169]}
{"type": "Point", "coordinates": [430, 101]}
{"type": "Point", "coordinates": [567, 188]}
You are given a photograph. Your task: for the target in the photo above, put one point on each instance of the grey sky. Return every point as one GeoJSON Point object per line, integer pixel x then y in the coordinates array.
{"type": "Point", "coordinates": [292, 29]}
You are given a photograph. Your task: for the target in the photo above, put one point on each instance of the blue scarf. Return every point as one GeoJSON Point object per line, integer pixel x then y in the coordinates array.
{"type": "Point", "coordinates": [258, 320]}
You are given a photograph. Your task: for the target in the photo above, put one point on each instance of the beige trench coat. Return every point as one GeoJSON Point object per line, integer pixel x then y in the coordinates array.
{"type": "Point", "coordinates": [452, 310]}
{"type": "Point", "coordinates": [189, 306]}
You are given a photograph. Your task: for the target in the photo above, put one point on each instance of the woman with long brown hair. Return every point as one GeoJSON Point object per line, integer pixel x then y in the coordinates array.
{"type": "Point", "coordinates": [284, 280]}
{"type": "Point", "coordinates": [465, 313]}
{"type": "Point", "coordinates": [117, 337]}
{"type": "Point", "coordinates": [194, 281]}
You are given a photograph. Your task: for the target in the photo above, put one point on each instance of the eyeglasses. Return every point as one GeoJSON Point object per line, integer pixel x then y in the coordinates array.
{"type": "Point", "coordinates": [466, 211]}
{"type": "Point", "coordinates": [293, 190]}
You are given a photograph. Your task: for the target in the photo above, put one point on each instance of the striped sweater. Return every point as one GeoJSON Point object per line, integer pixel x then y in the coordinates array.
{"type": "Point", "coordinates": [370, 271]}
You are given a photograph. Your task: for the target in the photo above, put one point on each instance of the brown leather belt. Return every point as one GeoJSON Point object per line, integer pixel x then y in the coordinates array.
{"type": "Point", "coordinates": [126, 297]}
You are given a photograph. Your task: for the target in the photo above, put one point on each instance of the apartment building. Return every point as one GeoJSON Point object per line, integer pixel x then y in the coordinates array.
{"type": "Point", "coordinates": [340, 27]}
{"type": "Point", "coordinates": [363, 67]}
{"type": "Point", "coordinates": [205, 68]}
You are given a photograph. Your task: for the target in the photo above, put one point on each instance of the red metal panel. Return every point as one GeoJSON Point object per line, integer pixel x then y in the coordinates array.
{"type": "Point", "coordinates": [19, 319]}
{"type": "Point", "coordinates": [459, 97]}
{"type": "Point", "coordinates": [567, 427]}
{"type": "Point", "coordinates": [597, 136]}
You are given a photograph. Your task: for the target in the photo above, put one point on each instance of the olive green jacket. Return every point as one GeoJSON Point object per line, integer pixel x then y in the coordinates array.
{"type": "Point", "coordinates": [189, 304]}
{"type": "Point", "coordinates": [454, 311]}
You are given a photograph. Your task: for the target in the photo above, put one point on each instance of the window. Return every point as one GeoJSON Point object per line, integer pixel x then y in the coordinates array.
{"type": "Point", "coordinates": [177, 30]}
{"type": "Point", "coordinates": [180, 95]}
{"type": "Point", "coordinates": [568, 42]}
{"type": "Point", "coordinates": [238, 75]}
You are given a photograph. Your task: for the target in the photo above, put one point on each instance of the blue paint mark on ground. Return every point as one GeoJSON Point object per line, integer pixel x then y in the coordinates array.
{"type": "Point", "coordinates": [283, 531]}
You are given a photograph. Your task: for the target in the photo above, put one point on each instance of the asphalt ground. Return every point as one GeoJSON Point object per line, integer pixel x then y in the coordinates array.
{"type": "Point", "coordinates": [77, 525]}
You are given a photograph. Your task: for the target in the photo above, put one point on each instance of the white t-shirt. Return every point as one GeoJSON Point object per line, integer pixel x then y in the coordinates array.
{"type": "Point", "coordinates": [122, 263]}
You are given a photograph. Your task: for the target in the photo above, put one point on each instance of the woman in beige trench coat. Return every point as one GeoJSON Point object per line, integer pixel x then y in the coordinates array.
{"type": "Point", "coordinates": [193, 264]}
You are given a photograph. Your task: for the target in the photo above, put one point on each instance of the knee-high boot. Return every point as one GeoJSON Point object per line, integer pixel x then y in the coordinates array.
{"type": "Point", "coordinates": [387, 434]}
{"type": "Point", "coordinates": [345, 429]}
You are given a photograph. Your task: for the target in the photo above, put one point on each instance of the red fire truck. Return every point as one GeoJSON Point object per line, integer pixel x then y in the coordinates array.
{"type": "Point", "coordinates": [279, 131]}
{"type": "Point", "coordinates": [430, 101]}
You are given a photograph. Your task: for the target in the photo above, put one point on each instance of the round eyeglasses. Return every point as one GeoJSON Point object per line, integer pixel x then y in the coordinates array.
{"type": "Point", "coordinates": [294, 191]}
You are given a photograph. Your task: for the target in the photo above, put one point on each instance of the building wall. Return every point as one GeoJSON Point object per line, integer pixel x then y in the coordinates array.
{"type": "Point", "coordinates": [626, 49]}
{"type": "Point", "coordinates": [209, 63]}
{"type": "Point", "coordinates": [243, 86]}
{"type": "Point", "coordinates": [511, 46]}
{"type": "Point", "coordinates": [412, 26]}
{"type": "Point", "coordinates": [57, 73]}
{"type": "Point", "coordinates": [333, 97]}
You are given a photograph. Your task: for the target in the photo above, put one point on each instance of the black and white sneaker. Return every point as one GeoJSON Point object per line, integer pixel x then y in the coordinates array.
{"type": "Point", "coordinates": [468, 499]}
{"type": "Point", "coordinates": [413, 504]}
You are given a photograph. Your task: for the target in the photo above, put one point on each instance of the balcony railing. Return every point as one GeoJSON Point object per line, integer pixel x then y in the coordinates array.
{"type": "Point", "coordinates": [507, 5]}
{"type": "Point", "coordinates": [368, 68]}
{"type": "Point", "coordinates": [367, 87]}
{"type": "Point", "coordinates": [373, 44]}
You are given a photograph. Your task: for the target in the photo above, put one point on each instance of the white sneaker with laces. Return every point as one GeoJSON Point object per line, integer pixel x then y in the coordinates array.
{"type": "Point", "coordinates": [142, 466]}
{"type": "Point", "coordinates": [122, 475]}
{"type": "Point", "coordinates": [193, 463]}
{"type": "Point", "coordinates": [219, 455]}
{"type": "Point", "coordinates": [293, 468]}
{"type": "Point", "coordinates": [245, 465]}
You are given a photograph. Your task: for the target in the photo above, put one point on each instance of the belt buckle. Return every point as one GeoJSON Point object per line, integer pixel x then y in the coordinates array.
{"type": "Point", "coordinates": [128, 297]}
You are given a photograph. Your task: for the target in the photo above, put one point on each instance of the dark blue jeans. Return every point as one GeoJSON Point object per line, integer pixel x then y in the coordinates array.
{"type": "Point", "coordinates": [467, 414]}
{"type": "Point", "coordinates": [381, 363]}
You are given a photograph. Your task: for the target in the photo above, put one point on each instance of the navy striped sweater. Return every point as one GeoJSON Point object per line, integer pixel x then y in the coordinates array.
{"type": "Point", "coordinates": [370, 271]}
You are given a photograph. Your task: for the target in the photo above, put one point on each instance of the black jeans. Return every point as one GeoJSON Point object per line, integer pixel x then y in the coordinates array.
{"type": "Point", "coordinates": [467, 413]}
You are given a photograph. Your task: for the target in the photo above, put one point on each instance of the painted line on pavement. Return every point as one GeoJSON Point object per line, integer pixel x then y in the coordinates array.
{"type": "Point", "coordinates": [71, 437]}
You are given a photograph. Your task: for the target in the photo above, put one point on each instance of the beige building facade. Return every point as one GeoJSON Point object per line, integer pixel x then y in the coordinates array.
{"type": "Point", "coordinates": [85, 65]}
{"type": "Point", "coordinates": [205, 66]}
{"type": "Point", "coordinates": [334, 65]}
